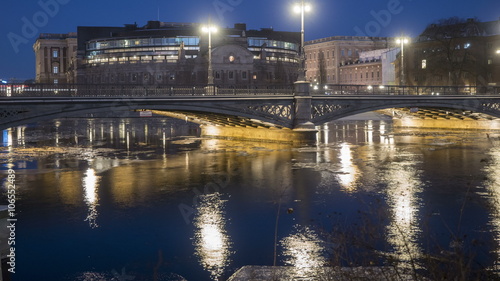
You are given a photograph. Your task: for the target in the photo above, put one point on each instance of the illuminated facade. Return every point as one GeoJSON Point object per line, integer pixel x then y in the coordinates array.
{"type": "Point", "coordinates": [177, 54]}
{"type": "Point", "coordinates": [371, 68]}
{"type": "Point", "coordinates": [325, 57]}
{"type": "Point", "coordinates": [55, 58]}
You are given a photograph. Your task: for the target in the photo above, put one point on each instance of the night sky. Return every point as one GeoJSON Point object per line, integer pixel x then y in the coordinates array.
{"type": "Point", "coordinates": [22, 20]}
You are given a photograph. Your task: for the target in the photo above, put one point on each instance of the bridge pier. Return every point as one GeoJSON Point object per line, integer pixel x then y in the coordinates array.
{"type": "Point", "coordinates": [302, 111]}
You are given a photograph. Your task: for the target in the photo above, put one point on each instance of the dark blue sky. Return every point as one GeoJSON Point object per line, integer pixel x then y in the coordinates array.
{"type": "Point", "coordinates": [22, 20]}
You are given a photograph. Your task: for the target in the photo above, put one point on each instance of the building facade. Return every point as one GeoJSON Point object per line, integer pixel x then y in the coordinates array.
{"type": "Point", "coordinates": [177, 54]}
{"type": "Point", "coordinates": [371, 68]}
{"type": "Point", "coordinates": [327, 57]}
{"type": "Point", "coordinates": [454, 52]}
{"type": "Point", "coordinates": [55, 58]}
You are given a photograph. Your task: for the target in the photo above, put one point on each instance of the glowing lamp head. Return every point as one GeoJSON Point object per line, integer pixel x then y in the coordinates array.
{"type": "Point", "coordinates": [209, 29]}
{"type": "Point", "coordinates": [402, 40]}
{"type": "Point", "coordinates": [498, 51]}
{"type": "Point", "coordinates": [299, 8]}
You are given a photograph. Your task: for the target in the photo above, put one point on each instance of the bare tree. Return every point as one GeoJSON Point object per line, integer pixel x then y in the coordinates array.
{"type": "Point", "coordinates": [452, 51]}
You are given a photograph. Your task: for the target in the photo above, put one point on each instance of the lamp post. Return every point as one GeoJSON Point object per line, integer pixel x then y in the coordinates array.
{"type": "Point", "coordinates": [402, 41]}
{"type": "Point", "coordinates": [301, 8]}
{"type": "Point", "coordinates": [209, 29]}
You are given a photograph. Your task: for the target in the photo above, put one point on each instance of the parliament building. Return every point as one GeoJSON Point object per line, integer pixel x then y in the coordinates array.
{"type": "Point", "coordinates": [168, 54]}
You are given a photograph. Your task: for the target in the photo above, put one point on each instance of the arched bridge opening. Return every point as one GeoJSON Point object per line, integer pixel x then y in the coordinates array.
{"type": "Point", "coordinates": [327, 109]}
{"type": "Point", "coordinates": [277, 112]}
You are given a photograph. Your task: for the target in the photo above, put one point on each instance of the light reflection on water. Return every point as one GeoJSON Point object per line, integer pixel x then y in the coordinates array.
{"type": "Point", "coordinates": [359, 161]}
{"type": "Point", "coordinates": [403, 188]}
{"type": "Point", "coordinates": [212, 243]}
{"type": "Point", "coordinates": [493, 195]}
{"type": "Point", "coordinates": [304, 250]}
{"type": "Point", "coordinates": [349, 172]}
{"type": "Point", "coordinates": [90, 187]}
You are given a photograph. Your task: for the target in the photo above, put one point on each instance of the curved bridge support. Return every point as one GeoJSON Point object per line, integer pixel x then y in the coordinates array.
{"type": "Point", "coordinates": [294, 114]}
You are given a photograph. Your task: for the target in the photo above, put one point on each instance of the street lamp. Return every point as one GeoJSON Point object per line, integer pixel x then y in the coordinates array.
{"type": "Point", "coordinates": [301, 8]}
{"type": "Point", "coordinates": [209, 29]}
{"type": "Point", "coordinates": [402, 41]}
{"type": "Point", "coordinates": [498, 51]}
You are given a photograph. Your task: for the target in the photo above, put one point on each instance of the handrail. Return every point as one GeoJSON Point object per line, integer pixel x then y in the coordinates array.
{"type": "Point", "coordinates": [132, 90]}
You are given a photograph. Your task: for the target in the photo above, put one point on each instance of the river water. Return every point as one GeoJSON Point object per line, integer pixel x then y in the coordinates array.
{"type": "Point", "coordinates": [147, 199]}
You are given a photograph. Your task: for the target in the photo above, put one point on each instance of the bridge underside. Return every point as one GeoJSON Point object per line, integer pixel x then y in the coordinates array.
{"type": "Point", "coordinates": [207, 118]}
{"type": "Point", "coordinates": [427, 113]}
{"type": "Point", "coordinates": [332, 108]}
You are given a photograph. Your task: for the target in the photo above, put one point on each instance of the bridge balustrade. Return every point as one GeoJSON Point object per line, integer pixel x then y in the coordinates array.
{"type": "Point", "coordinates": [121, 90]}
{"type": "Point", "coordinates": [406, 90]}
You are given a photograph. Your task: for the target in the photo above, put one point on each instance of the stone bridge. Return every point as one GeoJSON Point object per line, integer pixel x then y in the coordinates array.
{"type": "Point", "coordinates": [295, 107]}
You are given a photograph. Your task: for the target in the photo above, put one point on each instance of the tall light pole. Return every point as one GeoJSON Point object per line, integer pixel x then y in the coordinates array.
{"type": "Point", "coordinates": [402, 41]}
{"type": "Point", "coordinates": [301, 8]}
{"type": "Point", "coordinates": [209, 29]}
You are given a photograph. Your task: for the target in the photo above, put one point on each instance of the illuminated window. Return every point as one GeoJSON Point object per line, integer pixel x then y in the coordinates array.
{"type": "Point", "coordinates": [56, 81]}
{"type": "Point", "coordinates": [55, 53]}
{"type": "Point", "coordinates": [424, 64]}
{"type": "Point", "coordinates": [490, 61]}
{"type": "Point", "coordinates": [466, 45]}
{"type": "Point", "coordinates": [55, 69]}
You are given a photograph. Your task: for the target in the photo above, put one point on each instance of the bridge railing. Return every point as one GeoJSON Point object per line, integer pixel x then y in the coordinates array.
{"type": "Point", "coordinates": [128, 90]}
{"type": "Point", "coordinates": [120, 90]}
{"type": "Point", "coordinates": [405, 90]}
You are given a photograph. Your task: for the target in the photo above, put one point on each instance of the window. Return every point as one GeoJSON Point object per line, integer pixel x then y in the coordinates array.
{"type": "Point", "coordinates": [490, 61]}
{"type": "Point", "coordinates": [254, 76]}
{"type": "Point", "coordinates": [466, 45]}
{"type": "Point", "coordinates": [134, 77]}
{"type": "Point", "coordinates": [424, 64]}
{"type": "Point", "coordinates": [56, 81]}
{"type": "Point", "coordinates": [217, 75]}
{"type": "Point", "coordinates": [342, 52]}
{"type": "Point", "coordinates": [159, 77]}
{"type": "Point", "coordinates": [55, 69]}
{"type": "Point", "coordinates": [230, 75]}
{"type": "Point", "coordinates": [244, 75]}
{"type": "Point", "coordinates": [349, 52]}
{"type": "Point", "coordinates": [55, 53]}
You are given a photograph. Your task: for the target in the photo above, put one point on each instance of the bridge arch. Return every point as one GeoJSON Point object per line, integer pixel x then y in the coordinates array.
{"type": "Point", "coordinates": [325, 110]}
{"type": "Point", "coordinates": [219, 112]}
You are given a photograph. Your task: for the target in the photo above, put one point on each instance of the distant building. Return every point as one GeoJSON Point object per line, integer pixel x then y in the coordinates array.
{"type": "Point", "coordinates": [371, 68]}
{"type": "Point", "coordinates": [55, 56]}
{"type": "Point", "coordinates": [327, 57]}
{"type": "Point", "coordinates": [176, 54]}
{"type": "Point", "coordinates": [453, 52]}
